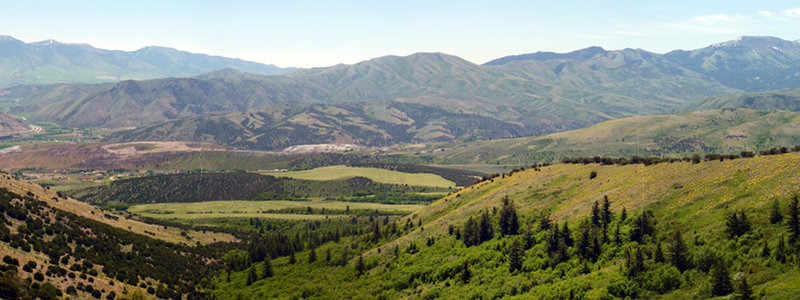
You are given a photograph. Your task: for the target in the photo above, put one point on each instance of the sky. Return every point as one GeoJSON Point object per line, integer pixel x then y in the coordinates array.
{"type": "Point", "coordinates": [303, 33]}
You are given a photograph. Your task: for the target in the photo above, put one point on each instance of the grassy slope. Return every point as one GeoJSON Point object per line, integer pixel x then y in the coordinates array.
{"type": "Point", "coordinates": [692, 197]}
{"type": "Point", "coordinates": [249, 209]}
{"type": "Point", "coordinates": [375, 174]}
{"type": "Point", "coordinates": [715, 131]}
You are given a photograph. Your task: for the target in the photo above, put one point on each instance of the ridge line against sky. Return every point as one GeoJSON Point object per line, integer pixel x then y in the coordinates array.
{"type": "Point", "coordinates": [324, 33]}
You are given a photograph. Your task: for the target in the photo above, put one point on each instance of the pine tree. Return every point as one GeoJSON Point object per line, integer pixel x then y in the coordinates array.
{"type": "Point", "coordinates": [312, 256]}
{"type": "Point", "coordinates": [328, 254]}
{"type": "Point", "coordinates": [486, 229]}
{"type": "Point", "coordinates": [617, 236]}
{"type": "Point", "coordinates": [737, 224]}
{"type": "Point", "coordinates": [743, 290]}
{"type": "Point", "coordinates": [623, 215]}
{"type": "Point", "coordinates": [267, 267]}
{"type": "Point", "coordinates": [292, 259]}
{"type": "Point", "coordinates": [515, 256]}
{"type": "Point", "coordinates": [544, 222]}
{"type": "Point", "coordinates": [642, 226]}
{"type": "Point", "coordinates": [658, 256]}
{"type": "Point", "coordinates": [720, 280]}
{"type": "Point", "coordinates": [465, 272]}
{"type": "Point", "coordinates": [606, 214]}
{"type": "Point", "coordinates": [678, 252]}
{"type": "Point", "coordinates": [251, 276]}
{"type": "Point", "coordinates": [794, 222]}
{"type": "Point", "coordinates": [775, 215]}
{"type": "Point", "coordinates": [376, 232]}
{"type": "Point", "coordinates": [780, 250]}
{"type": "Point", "coordinates": [471, 236]}
{"type": "Point", "coordinates": [509, 224]}
{"type": "Point", "coordinates": [566, 235]}
{"type": "Point", "coordinates": [635, 263]}
{"type": "Point", "coordinates": [596, 219]}
{"type": "Point", "coordinates": [360, 265]}
{"type": "Point", "coordinates": [552, 240]}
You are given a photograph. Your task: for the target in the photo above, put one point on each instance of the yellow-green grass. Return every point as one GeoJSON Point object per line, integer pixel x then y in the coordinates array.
{"type": "Point", "coordinates": [257, 209]}
{"type": "Point", "coordinates": [375, 174]}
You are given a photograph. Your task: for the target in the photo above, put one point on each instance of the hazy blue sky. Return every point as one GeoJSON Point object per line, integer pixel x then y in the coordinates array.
{"type": "Point", "coordinates": [323, 33]}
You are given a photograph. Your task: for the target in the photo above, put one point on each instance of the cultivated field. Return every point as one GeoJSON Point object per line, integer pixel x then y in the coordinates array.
{"type": "Point", "coordinates": [375, 174]}
{"type": "Point", "coordinates": [261, 209]}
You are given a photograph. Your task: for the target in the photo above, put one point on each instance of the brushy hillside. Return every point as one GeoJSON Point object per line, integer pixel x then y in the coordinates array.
{"type": "Point", "coordinates": [714, 131]}
{"type": "Point", "coordinates": [669, 232]}
{"type": "Point", "coordinates": [54, 247]}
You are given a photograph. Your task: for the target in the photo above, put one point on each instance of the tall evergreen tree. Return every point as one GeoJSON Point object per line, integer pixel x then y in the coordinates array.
{"type": "Point", "coordinates": [360, 265]}
{"type": "Point", "coordinates": [780, 250]}
{"type": "Point", "coordinates": [267, 267]}
{"type": "Point", "coordinates": [312, 255]}
{"type": "Point", "coordinates": [509, 223]}
{"type": "Point", "coordinates": [515, 256]}
{"type": "Point", "coordinates": [635, 263]}
{"type": "Point", "coordinates": [617, 236]}
{"type": "Point", "coordinates": [678, 252]}
{"type": "Point", "coordinates": [486, 229]}
{"type": "Point", "coordinates": [737, 224]}
{"type": "Point", "coordinates": [623, 215]}
{"type": "Point", "coordinates": [775, 215]}
{"type": "Point", "coordinates": [471, 236]}
{"type": "Point", "coordinates": [658, 255]}
{"type": "Point", "coordinates": [251, 275]}
{"type": "Point", "coordinates": [566, 235]}
{"type": "Point", "coordinates": [642, 225]}
{"type": "Point", "coordinates": [793, 224]}
{"type": "Point", "coordinates": [544, 222]}
{"type": "Point", "coordinates": [596, 218]}
{"type": "Point", "coordinates": [720, 280]}
{"type": "Point", "coordinates": [466, 274]}
{"type": "Point", "coordinates": [743, 290]}
{"type": "Point", "coordinates": [606, 214]}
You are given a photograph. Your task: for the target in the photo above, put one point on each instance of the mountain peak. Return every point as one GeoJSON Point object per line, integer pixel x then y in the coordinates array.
{"type": "Point", "coordinates": [580, 54]}
{"type": "Point", "coordinates": [753, 42]}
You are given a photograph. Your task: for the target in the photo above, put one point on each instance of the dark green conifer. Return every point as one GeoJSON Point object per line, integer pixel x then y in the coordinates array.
{"type": "Point", "coordinates": [360, 265]}
{"type": "Point", "coordinates": [793, 224]}
{"type": "Point", "coordinates": [509, 224]}
{"type": "Point", "coordinates": [658, 256]}
{"type": "Point", "coordinates": [268, 267]}
{"type": "Point", "coordinates": [251, 275]}
{"type": "Point", "coordinates": [596, 219]}
{"type": "Point", "coordinates": [486, 229]}
{"type": "Point", "coordinates": [606, 214]}
{"type": "Point", "coordinates": [743, 290]}
{"type": "Point", "coordinates": [465, 272]}
{"type": "Point", "coordinates": [515, 256]}
{"type": "Point", "coordinates": [678, 252]}
{"type": "Point", "coordinates": [312, 255]}
{"type": "Point", "coordinates": [775, 215]}
{"type": "Point", "coordinates": [720, 280]}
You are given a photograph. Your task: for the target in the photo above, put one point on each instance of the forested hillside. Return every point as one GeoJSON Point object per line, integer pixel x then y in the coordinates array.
{"type": "Point", "coordinates": [670, 230]}
{"type": "Point", "coordinates": [242, 186]}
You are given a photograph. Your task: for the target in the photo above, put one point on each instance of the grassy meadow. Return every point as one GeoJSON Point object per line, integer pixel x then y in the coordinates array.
{"type": "Point", "coordinates": [375, 174]}
{"type": "Point", "coordinates": [263, 209]}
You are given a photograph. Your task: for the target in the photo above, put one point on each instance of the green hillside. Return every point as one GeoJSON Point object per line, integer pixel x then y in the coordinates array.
{"type": "Point", "coordinates": [467, 246]}
{"type": "Point", "coordinates": [184, 188]}
{"type": "Point", "coordinates": [714, 131]}
{"type": "Point", "coordinates": [780, 100]}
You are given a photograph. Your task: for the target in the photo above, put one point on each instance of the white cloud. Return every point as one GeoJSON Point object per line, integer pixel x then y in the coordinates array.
{"type": "Point", "coordinates": [794, 12]}
{"type": "Point", "coordinates": [765, 13]}
{"type": "Point", "coordinates": [716, 23]}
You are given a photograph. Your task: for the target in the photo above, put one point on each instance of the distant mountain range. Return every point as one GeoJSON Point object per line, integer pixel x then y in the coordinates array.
{"type": "Point", "coordinates": [50, 61]}
{"type": "Point", "coordinates": [529, 94]}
